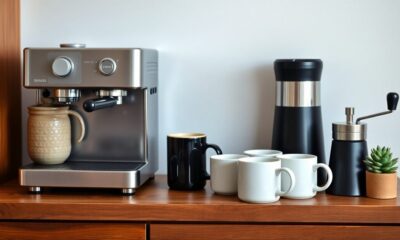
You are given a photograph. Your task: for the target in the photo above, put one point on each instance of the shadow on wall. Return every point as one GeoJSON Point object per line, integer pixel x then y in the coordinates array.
{"type": "Point", "coordinates": [265, 94]}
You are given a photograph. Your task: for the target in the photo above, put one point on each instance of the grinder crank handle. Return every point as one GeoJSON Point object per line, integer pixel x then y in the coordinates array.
{"type": "Point", "coordinates": [99, 103]}
{"type": "Point", "coordinates": [392, 99]}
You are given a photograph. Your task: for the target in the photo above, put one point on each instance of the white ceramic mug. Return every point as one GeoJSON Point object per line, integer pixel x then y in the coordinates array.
{"type": "Point", "coordinates": [262, 153]}
{"type": "Point", "coordinates": [305, 168]}
{"type": "Point", "coordinates": [259, 179]}
{"type": "Point", "coordinates": [224, 171]}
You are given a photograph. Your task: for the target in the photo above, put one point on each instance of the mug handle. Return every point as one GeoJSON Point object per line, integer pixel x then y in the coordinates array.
{"type": "Point", "coordinates": [330, 176]}
{"type": "Point", "coordinates": [213, 146]}
{"type": "Point", "coordinates": [203, 148]}
{"type": "Point", "coordinates": [81, 122]}
{"type": "Point", "coordinates": [292, 180]}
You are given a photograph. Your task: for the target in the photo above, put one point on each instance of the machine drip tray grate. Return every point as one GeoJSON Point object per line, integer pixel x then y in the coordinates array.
{"type": "Point", "coordinates": [88, 166]}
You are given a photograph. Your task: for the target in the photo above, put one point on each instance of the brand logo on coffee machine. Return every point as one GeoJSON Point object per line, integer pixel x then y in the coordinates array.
{"type": "Point", "coordinates": [40, 80]}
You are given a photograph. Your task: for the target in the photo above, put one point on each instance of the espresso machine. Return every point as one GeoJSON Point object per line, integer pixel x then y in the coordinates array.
{"type": "Point", "coordinates": [115, 92]}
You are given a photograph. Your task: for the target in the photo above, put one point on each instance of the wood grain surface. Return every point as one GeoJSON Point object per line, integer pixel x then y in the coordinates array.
{"type": "Point", "coordinates": [270, 232]}
{"type": "Point", "coordinates": [10, 109]}
{"type": "Point", "coordinates": [155, 202]}
{"type": "Point", "coordinates": [70, 231]}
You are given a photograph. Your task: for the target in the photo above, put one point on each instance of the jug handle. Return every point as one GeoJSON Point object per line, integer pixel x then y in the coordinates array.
{"type": "Point", "coordinates": [81, 122]}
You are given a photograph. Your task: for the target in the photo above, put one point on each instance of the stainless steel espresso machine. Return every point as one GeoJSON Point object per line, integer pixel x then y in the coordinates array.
{"type": "Point", "coordinates": [115, 91]}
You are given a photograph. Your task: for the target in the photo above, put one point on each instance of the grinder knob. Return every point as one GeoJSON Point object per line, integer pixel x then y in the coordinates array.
{"type": "Point", "coordinates": [392, 100]}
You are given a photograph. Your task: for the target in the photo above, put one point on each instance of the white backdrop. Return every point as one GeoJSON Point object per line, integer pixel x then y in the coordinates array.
{"type": "Point", "coordinates": [216, 58]}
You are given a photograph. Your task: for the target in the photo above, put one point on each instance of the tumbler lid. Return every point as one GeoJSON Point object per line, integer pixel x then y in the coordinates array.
{"type": "Point", "coordinates": [349, 131]}
{"type": "Point", "coordinates": [298, 69]}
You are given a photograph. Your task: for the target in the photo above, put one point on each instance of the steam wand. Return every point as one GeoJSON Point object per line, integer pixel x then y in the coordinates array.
{"type": "Point", "coordinates": [392, 100]}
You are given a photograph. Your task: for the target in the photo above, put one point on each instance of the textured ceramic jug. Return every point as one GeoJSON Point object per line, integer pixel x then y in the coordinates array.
{"type": "Point", "coordinates": [49, 134]}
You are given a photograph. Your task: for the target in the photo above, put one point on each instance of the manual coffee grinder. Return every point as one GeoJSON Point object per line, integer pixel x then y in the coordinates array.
{"type": "Point", "coordinates": [349, 149]}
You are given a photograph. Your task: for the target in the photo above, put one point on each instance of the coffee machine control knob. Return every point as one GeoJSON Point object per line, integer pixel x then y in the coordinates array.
{"type": "Point", "coordinates": [62, 66]}
{"type": "Point", "coordinates": [107, 66]}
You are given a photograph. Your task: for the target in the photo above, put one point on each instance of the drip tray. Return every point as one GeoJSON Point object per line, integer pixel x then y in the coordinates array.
{"type": "Point", "coordinates": [123, 175]}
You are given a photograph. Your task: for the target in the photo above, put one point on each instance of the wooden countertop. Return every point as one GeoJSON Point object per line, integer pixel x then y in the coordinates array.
{"type": "Point", "coordinates": [155, 202]}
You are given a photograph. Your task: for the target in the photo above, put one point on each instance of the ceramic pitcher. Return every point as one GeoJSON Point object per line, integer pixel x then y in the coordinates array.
{"type": "Point", "coordinates": [49, 133]}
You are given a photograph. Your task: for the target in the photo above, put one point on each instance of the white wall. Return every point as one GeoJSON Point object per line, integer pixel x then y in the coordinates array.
{"type": "Point", "coordinates": [216, 57]}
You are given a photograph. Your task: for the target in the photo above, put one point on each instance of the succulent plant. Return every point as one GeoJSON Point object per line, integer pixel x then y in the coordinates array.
{"type": "Point", "coordinates": [381, 161]}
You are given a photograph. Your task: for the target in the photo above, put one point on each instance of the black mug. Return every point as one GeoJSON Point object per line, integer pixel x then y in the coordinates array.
{"type": "Point", "coordinates": [187, 160]}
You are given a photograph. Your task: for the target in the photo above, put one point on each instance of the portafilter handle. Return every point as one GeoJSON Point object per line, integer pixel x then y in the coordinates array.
{"type": "Point", "coordinates": [99, 103]}
{"type": "Point", "coordinates": [392, 99]}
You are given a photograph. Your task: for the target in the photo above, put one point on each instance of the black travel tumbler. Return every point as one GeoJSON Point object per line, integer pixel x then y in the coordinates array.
{"type": "Point", "coordinates": [298, 120]}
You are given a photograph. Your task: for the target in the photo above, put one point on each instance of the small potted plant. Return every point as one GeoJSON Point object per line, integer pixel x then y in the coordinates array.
{"type": "Point", "coordinates": [381, 177]}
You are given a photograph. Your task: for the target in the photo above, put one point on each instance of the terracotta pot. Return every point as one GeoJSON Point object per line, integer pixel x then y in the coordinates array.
{"type": "Point", "coordinates": [381, 185]}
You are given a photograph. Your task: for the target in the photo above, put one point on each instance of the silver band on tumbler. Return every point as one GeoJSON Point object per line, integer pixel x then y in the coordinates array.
{"type": "Point", "coordinates": [298, 94]}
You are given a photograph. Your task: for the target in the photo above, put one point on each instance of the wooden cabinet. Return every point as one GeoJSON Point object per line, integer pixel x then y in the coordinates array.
{"type": "Point", "coordinates": [157, 213]}
{"type": "Point", "coordinates": [71, 231]}
{"type": "Point", "coordinates": [270, 232]}
{"type": "Point", "coordinates": [136, 231]}
{"type": "Point", "coordinates": [10, 84]}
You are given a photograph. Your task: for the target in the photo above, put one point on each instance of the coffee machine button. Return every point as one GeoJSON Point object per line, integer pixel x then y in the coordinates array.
{"type": "Point", "coordinates": [107, 66]}
{"type": "Point", "coordinates": [62, 66]}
